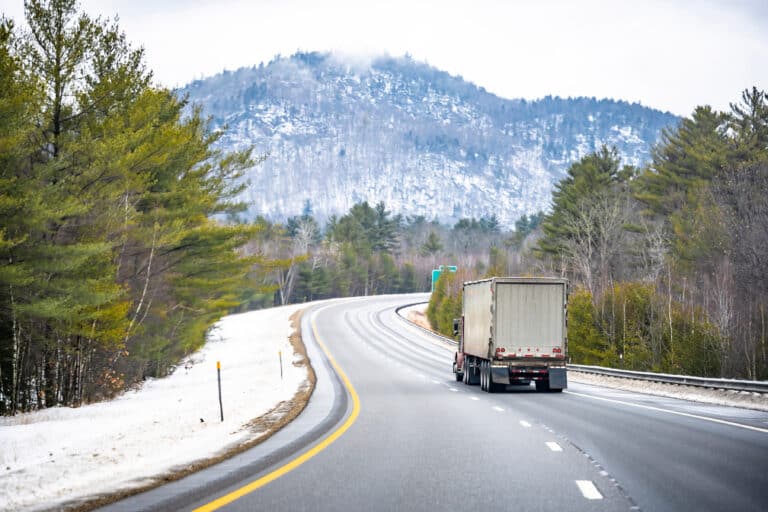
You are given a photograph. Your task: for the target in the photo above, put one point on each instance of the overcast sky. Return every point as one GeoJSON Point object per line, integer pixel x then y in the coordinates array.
{"type": "Point", "coordinates": [671, 55]}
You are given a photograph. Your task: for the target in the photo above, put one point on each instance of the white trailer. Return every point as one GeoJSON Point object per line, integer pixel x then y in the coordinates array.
{"type": "Point", "coordinates": [513, 330]}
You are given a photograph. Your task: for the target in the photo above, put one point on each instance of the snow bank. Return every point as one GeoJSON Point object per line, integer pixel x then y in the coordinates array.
{"type": "Point", "coordinates": [727, 397]}
{"type": "Point", "coordinates": [55, 455]}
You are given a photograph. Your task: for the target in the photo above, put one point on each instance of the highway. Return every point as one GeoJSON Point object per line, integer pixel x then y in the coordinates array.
{"type": "Point", "coordinates": [389, 428]}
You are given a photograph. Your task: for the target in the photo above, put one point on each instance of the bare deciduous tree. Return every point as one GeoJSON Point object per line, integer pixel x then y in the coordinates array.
{"type": "Point", "coordinates": [596, 228]}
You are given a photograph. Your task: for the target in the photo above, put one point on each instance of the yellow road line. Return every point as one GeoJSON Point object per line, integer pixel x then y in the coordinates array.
{"type": "Point", "coordinates": [301, 459]}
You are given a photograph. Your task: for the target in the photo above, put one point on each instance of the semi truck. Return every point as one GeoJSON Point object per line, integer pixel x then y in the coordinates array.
{"type": "Point", "coordinates": [513, 330]}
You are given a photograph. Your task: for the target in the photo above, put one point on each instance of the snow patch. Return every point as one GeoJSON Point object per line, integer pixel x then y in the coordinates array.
{"type": "Point", "coordinates": [746, 400]}
{"type": "Point", "coordinates": [55, 455]}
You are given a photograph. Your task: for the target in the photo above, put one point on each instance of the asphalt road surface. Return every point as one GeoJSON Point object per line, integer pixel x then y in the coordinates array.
{"type": "Point", "coordinates": [389, 428]}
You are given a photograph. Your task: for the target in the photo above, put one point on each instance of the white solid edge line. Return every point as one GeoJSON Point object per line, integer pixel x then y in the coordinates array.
{"type": "Point", "coordinates": [588, 490]}
{"type": "Point", "coordinates": [525, 424]}
{"type": "Point", "coordinates": [554, 446]}
{"type": "Point", "coordinates": [677, 413]}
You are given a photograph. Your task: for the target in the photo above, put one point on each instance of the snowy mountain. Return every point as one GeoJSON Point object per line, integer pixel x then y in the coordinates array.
{"type": "Point", "coordinates": [399, 131]}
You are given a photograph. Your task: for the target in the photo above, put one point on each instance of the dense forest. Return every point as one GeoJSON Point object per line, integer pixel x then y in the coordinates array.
{"type": "Point", "coordinates": [121, 241]}
{"type": "Point", "coordinates": [667, 261]}
{"type": "Point", "coordinates": [111, 267]}
{"type": "Point", "coordinates": [370, 251]}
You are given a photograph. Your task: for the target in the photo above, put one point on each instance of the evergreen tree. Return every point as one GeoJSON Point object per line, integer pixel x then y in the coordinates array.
{"type": "Point", "coordinates": [384, 231]}
{"type": "Point", "coordinates": [591, 177]}
{"type": "Point", "coordinates": [408, 280]}
{"type": "Point", "coordinates": [111, 266]}
{"type": "Point", "coordinates": [21, 212]}
{"type": "Point", "coordinates": [749, 122]}
{"type": "Point", "coordinates": [432, 245]}
{"type": "Point", "coordinates": [690, 155]}
{"type": "Point", "coordinates": [585, 230]}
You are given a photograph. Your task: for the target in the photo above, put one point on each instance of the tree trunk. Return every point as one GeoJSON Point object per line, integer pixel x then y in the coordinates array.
{"type": "Point", "coordinates": [669, 309]}
{"type": "Point", "coordinates": [143, 292]}
{"type": "Point", "coordinates": [15, 356]}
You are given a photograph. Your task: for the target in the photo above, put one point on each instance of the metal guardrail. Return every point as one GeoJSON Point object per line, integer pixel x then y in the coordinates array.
{"type": "Point", "coordinates": [754, 386]}
{"type": "Point", "coordinates": [440, 337]}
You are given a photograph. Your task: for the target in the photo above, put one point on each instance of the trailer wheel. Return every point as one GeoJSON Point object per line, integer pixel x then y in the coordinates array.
{"type": "Point", "coordinates": [482, 376]}
{"type": "Point", "coordinates": [456, 372]}
{"type": "Point", "coordinates": [489, 384]}
{"type": "Point", "coordinates": [467, 371]}
{"type": "Point", "coordinates": [474, 375]}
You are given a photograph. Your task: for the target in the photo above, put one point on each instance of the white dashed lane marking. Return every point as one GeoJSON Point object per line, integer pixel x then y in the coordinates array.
{"type": "Point", "coordinates": [525, 424]}
{"type": "Point", "coordinates": [588, 490]}
{"type": "Point", "coordinates": [473, 398]}
{"type": "Point", "coordinates": [453, 389]}
{"type": "Point", "coordinates": [554, 446]}
{"type": "Point", "coordinates": [497, 408]}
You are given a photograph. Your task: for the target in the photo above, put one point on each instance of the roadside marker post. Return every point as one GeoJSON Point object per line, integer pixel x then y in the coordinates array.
{"type": "Point", "coordinates": [218, 375]}
{"type": "Point", "coordinates": [280, 356]}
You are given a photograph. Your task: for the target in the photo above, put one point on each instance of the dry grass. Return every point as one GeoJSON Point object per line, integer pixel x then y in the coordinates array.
{"type": "Point", "coordinates": [420, 318]}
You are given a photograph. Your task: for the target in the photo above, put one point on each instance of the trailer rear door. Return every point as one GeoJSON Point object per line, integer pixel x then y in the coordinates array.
{"type": "Point", "coordinates": [530, 318]}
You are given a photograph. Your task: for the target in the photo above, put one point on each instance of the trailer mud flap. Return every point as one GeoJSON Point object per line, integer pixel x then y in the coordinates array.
{"type": "Point", "coordinates": [500, 374]}
{"type": "Point", "coordinates": [558, 378]}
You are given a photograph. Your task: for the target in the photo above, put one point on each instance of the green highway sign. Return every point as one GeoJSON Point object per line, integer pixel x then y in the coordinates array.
{"type": "Point", "coordinates": [436, 273]}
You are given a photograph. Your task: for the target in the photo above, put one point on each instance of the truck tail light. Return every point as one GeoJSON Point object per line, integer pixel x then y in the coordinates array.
{"type": "Point", "coordinates": [557, 350]}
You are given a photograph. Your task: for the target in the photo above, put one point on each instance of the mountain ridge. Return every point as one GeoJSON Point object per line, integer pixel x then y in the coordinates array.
{"type": "Point", "coordinates": [400, 131]}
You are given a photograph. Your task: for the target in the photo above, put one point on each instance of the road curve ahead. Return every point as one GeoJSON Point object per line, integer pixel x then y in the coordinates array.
{"type": "Point", "coordinates": [410, 437]}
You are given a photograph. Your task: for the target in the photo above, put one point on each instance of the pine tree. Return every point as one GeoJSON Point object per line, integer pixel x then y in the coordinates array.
{"type": "Point", "coordinates": [591, 177]}
{"type": "Point", "coordinates": [749, 122]}
{"type": "Point", "coordinates": [432, 245]}
{"type": "Point", "coordinates": [585, 230]}
{"type": "Point", "coordinates": [112, 267]}
{"type": "Point", "coordinates": [692, 154]}
{"type": "Point", "coordinates": [21, 211]}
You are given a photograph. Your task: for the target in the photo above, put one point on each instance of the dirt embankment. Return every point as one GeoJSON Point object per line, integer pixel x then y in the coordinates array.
{"type": "Point", "coordinates": [419, 317]}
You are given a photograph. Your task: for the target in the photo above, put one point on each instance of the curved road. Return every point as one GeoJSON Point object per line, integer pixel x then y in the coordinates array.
{"type": "Point", "coordinates": [418, 440]}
